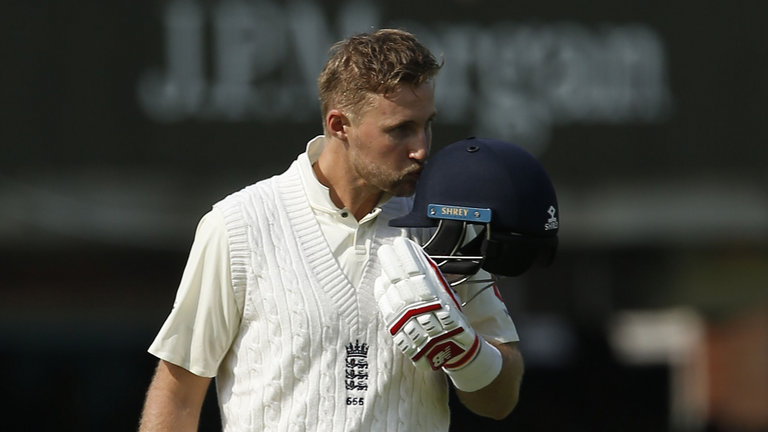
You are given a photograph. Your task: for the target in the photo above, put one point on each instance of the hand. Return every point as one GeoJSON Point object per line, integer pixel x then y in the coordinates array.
{"type": "Point", "coordinates": [421, 312]}
{"type": "Point", "coordinates": [424, 317]}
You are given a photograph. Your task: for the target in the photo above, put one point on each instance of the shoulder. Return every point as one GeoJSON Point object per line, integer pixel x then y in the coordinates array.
{"type": "Point", "coordinates": [211, 226]}
{"type": "Point", "coordinates": [264, 190]}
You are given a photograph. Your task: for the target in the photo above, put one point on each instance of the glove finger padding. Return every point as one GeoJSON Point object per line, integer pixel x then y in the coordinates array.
{"type": "Point", "coordinates": [400, 261]}
{"type": "Point", "coordinates": [424, 318]}
{"type": "Point", "coordinates": [405, 267]}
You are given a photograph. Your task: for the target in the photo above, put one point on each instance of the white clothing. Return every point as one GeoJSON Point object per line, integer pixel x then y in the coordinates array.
{"type": "Point", "coordinates": [277, 311]}
{"type": "Point", "coordinates": [349, 239]}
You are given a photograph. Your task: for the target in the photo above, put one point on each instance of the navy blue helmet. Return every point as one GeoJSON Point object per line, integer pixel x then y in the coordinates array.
{"type": "Point", "coordinates": [497, 186]}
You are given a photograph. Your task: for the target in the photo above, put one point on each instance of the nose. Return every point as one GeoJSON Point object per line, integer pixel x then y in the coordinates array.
{"type": "Point", "coordinates": [420, 148]}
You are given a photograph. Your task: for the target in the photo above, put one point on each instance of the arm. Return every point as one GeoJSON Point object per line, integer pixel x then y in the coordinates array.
{"type": "Point", "coordinates": [174, 400]}
{"type": "Point", "coordinates": [497, 399]}
{"type": "Point", "coordinates": [197, 333]}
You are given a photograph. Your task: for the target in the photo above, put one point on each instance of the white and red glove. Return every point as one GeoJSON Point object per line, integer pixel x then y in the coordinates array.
{"type": "Point", "coordinates": [424, 317]}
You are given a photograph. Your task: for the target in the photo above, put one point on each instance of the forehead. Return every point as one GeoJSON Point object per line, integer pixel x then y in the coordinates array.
{"type": "Point", "coordinates": [405, 102]}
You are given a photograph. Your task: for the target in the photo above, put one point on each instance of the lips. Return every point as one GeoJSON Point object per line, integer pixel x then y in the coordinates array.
{"type": "Point", "coordinates": [416, 171]}
{"type": "Point", "coordinates": [414, 175]}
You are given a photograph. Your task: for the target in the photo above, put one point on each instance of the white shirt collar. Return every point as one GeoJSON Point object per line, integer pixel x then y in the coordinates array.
{"type": "Point", "coordinates": [319, 195]}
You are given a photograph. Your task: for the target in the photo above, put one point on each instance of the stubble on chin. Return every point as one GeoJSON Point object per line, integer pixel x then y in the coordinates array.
{"type": "Point", "coordinates": [405, 184]}
{"type": "Point", "coordinates": [396, 183]}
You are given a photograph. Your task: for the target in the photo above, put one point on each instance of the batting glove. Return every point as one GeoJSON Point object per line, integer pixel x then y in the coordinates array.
{"type": "Point", "coordinates": [424, 317]}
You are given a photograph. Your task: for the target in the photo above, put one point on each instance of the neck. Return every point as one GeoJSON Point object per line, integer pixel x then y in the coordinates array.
{"type": "Point", "coordinates": [346, 190]}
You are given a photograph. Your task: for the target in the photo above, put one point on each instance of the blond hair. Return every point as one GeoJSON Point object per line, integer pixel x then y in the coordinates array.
{"type": "Point", "coordinates": [370, 64]}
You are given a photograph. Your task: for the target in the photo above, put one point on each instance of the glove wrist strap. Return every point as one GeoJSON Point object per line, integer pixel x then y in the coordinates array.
{"type": "Point", "coordinates": [480, 371]}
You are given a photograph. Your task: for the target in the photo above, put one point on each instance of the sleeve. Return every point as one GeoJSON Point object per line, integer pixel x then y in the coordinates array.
{"type": "Point", "coordinates": [485, 308]}
{"type": "Point", "coordinates": [205, 317]}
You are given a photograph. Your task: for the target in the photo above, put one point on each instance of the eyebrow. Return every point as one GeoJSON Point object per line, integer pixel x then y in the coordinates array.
{"type": "Point", "coordinates": [410, 121]}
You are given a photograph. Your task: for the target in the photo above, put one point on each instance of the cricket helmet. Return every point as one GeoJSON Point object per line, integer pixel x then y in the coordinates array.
{"type": "Point", "coordinates": [501, 189]}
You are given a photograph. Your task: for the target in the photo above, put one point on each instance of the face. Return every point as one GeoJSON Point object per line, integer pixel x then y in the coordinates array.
{"type": "Point", "coordinates": [390, 141]}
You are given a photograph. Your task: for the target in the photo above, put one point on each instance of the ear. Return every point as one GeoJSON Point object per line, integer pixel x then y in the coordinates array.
{"type": "Point", "coordinates": [335, 122]}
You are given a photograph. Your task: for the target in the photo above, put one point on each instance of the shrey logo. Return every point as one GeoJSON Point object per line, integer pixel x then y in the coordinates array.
{"type": "Point", "coordinates": [552, 222]}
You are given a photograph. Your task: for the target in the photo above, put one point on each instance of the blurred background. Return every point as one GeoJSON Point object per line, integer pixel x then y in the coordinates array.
{"type": "Point", "coordinates": [123, 121]}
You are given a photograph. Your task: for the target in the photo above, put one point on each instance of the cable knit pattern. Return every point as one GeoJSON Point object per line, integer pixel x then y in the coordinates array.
{"type": "Point", "coordinates": [289, 368]}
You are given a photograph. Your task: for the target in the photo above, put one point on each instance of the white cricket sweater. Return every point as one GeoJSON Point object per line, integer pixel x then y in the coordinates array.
{"type": "Point", "coordinates": [311, 353]}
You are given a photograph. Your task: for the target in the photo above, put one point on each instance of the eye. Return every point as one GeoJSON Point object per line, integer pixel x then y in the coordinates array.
{"type": "Point", "coordinates": [401, 130]}
{"type": "Point", "coordinates": [408, 129]}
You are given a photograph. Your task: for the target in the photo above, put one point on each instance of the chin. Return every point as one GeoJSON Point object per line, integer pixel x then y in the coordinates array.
{"type": "Point", "coordinates": [403, 190]}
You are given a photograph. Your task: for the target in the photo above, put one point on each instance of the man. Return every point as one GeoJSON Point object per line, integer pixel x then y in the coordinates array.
{"type": "Point", "coordinates": [277, 300]}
